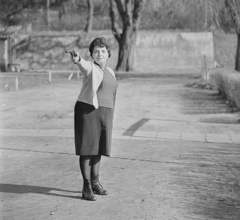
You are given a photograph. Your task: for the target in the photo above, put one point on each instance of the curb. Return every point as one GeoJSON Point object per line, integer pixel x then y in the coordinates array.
{"type": "Point", "coordinates": [137, 135]}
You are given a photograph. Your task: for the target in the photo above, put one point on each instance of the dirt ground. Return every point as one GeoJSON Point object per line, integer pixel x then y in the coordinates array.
{"type": "Point", "coordinates": [147, 179]}
{"type": "Point", "coordinates": [161, 102]}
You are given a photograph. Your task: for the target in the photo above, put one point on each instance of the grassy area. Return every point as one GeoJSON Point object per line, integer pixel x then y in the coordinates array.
{"type": "Point", "coordinates": [202, 84]}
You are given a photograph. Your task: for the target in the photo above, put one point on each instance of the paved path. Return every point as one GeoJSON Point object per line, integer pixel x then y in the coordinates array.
{"type": "Point", "coordinates": [175, 155]}
{"type": "Point", "coordinates": [199, 137]}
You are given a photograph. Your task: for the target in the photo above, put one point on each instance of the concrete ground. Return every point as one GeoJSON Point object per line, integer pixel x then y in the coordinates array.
{"type": "Point", "coordinates": [175, 154]}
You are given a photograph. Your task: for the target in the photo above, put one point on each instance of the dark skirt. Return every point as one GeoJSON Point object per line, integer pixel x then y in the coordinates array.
{"type": "Point", "coordinates": [93, 129]}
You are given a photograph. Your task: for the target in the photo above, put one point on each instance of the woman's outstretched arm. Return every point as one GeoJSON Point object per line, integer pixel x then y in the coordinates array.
{"type": "Point", "coordinates": [84, 66]}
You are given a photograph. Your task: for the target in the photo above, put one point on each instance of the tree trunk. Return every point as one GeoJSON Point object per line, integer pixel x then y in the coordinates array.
{"type": "Point", "coordinates": [237, 61]}
{"type": "Point", "coordinates": [129, 12]}
{"type": "Point", "coordinates": [233, 10]}
{"type": "Point", "coordinates": [88, 27]}
{"type": "Point", "coordinates": [126, 50]}
{"type": "Point", "coordinates": [48, 14]}
{"type": "Point", "coordinates": [206, 15]}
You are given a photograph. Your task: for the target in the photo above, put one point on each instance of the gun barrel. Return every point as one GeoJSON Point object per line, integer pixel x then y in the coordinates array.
{"type": "Point", "coordinates": [70, 51]}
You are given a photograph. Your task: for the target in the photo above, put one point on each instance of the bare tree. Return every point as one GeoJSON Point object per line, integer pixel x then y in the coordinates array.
{"type": "Point", "coordinates": [64, 8]}
{"type": "Point", "coordinates": [129, 11]}
{"type": "Point", "coordinates": [90, 10]}
{"type": "Point", "coordinates": [48, 13]}
{"type": "Point", "coordinates": [204, 13]}
{"type": "Point", "coordinates": [212, 9]}
{"type": "Point", "coordinates": [11, 8]}
{"type": "Point", "coordinates": [233, 8]}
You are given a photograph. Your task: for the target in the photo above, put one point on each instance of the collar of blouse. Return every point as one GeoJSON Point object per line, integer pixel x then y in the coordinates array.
{"type": "Point", "coordinates": [102, 67]}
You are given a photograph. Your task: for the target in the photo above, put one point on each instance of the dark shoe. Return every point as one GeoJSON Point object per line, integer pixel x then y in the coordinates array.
{"type": "Point", "coordinates": [97, 187]}
{"type": "Point", "coordinates": [87, 192]}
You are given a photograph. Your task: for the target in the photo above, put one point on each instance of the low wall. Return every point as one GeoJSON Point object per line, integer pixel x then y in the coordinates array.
{"type": "Point", "coordinates": [156, 52]}
{"type": "Point", "coordinates": [173, 51]}
{"type": "Point", "coordinates": [47, 50]}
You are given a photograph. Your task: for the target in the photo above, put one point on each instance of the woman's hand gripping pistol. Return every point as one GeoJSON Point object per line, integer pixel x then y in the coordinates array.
{"type": "Point", "coordinates": [74, 56]}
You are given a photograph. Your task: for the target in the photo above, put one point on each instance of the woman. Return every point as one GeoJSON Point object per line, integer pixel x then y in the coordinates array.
{"type": "Point", "coordinates": [93, 115]}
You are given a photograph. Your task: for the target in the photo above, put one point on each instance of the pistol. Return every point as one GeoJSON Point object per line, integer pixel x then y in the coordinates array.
{"type": "Point", "coordinates": [72, 52]}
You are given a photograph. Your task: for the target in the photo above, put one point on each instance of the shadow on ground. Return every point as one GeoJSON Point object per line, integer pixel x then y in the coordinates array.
{"type": "Point", "coordinates": [21, 189]}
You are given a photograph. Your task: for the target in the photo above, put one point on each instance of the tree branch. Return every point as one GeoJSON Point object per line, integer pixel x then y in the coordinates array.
{"type": "Point", "coordinates": [233, 9]}
{"type": "Point", "coordinates": [120, 8]}
{"type": "Point", "coordinates": [113, 16]}
{"type": "Point", "coordinates": [137, 9]}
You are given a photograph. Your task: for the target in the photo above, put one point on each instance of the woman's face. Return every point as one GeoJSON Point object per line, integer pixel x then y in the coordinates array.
{"type": "Point", "coordinates": [100, 55]}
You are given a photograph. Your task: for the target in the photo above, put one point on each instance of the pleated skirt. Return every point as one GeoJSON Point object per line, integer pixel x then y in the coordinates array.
{"type": "Point", "coordinates": [93, 129]}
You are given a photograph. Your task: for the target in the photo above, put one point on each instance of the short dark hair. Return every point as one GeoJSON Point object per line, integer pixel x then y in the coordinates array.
{"type": "Point", "coordinates": [101, 42]}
